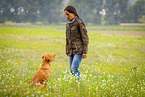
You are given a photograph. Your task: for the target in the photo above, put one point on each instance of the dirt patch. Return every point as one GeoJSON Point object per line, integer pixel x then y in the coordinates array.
{"type": "Point", "coordinates": [138, 33]}
{"type": "Point", "coordinates": [15, 24]}
{"type": "Point", "coordinates": [136, 24]}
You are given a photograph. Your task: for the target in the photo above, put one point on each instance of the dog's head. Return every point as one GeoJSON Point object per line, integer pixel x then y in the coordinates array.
{"type": "Point", "coordinates": [47, 57]}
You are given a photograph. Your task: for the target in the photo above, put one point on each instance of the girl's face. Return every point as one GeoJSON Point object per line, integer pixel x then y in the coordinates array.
{"type": "Point", "coordinates": [69, 15]}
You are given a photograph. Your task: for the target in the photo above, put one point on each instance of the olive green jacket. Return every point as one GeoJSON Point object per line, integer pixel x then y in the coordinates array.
{"type": "Point", "coordinates": [77, 40]}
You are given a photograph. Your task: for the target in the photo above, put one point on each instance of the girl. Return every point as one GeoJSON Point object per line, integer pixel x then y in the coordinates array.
{"type": "Point", "coordinates": [76, 39]}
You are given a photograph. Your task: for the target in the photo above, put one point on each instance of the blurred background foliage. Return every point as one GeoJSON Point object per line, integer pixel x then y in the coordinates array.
{"type": "Point", "coordinates": [99, 12]}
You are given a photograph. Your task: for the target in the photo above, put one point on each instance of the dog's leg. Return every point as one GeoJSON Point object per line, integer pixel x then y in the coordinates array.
{"type": "Point", "coordinates": [45, 83]}
{"type": "Point", "coordinates": [41, 86]}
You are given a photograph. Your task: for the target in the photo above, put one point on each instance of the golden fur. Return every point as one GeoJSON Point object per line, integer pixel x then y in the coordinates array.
{"type": "Point", "coordinates": [42, 75]}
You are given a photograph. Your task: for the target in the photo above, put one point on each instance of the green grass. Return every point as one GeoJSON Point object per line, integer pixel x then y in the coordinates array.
{"type": "Point", "coordinates": [115, 65]}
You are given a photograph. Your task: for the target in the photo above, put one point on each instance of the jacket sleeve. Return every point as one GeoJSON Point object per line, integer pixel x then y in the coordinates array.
{"type": "Point", "coordinates": [84, 36]}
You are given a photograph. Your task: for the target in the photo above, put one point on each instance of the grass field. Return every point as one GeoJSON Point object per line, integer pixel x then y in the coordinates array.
{"type": "Point", "coordinates": [115, 65]}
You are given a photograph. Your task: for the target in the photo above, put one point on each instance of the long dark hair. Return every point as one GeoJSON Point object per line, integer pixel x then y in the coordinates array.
{"type": "Point", "coordinates": [72, 9]}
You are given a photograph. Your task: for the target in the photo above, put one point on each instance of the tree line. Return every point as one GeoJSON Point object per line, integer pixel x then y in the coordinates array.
{"type": "Point", "coordinates": [98, 12]}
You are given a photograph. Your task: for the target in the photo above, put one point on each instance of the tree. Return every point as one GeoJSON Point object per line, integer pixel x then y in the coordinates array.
{"type": "Point", "coordinates": [115, 11]}
{"type": "Point", "coordinates": [2, 11]}
{"type": "Point", "coordinates": [135, 11]}
{"type": "Point", "coordinates": [89, 10]}
{"type": "Point", "coordinates": [30, 10]}
{"type": "Point", "coordinates": [50, 10]}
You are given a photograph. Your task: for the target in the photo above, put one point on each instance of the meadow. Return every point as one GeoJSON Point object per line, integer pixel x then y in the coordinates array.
{"type": "Point", "coordinates": [115, 65]}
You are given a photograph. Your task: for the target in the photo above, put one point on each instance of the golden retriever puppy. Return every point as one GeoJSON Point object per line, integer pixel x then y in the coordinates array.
{"type": "Point", "coordinates": [42, 75]}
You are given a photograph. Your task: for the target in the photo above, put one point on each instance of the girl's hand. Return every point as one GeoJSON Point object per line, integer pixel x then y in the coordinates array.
{"type": "Point", "coordinates": [84, 55]}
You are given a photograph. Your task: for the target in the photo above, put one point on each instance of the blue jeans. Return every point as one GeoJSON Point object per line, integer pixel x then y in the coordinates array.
{"type": "Point", "coordinates": [74, 62]}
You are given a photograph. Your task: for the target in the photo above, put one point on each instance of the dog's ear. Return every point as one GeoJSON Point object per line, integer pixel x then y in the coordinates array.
{"type": "Point", "coordinates": [43, 57]}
